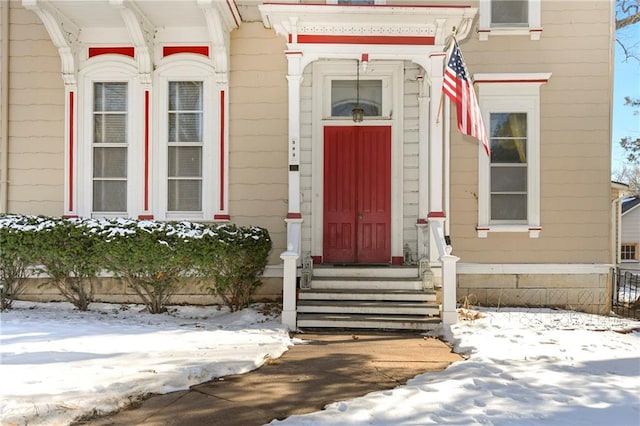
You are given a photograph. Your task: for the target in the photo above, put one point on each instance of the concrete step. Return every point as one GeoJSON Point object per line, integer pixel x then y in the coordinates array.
{"type": "Point", "coordinates": [370, 295]}
{"type": "Point", "coordinates": [366, 271]}
{"type": "Point", "coordinates": [368, 307]}
{"type": "Point", "coordinates": [363, 283]}
{"type": "Point", "coordinates": [395, 322]}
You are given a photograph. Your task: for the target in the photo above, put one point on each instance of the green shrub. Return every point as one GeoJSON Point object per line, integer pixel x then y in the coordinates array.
{"type": "Point", "coordinates": [17, 251]}
{"type": "Point", "coordinates": [150, 257]}
{"type": "Point", "coordinates": [231, 259]}
{"type": "Point", "coordinates": [71, 253]}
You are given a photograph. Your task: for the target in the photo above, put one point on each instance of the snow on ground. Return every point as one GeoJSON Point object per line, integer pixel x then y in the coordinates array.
{"type": "Point", "coordinates": [533, 367]}
{"type": "Point", "coordinates": [525, 367]}
{"type": "Point", "coordinates": [58, 364]}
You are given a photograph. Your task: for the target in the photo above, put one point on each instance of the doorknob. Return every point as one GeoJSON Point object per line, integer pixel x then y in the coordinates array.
{"type": "Point", "coordinates": [359, 215]}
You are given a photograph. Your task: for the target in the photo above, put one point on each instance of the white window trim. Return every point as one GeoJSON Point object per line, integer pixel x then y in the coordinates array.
{"type": "Point", "coordinates": [110, 68]}
{"type": "Point", "coordinates": [386, 104]}
{"type": "Point", "coordinates": [186, 67]}
{"type": "Point", "coordinates": [534, 29]}
{"type": "Point", "coordinates": [511, 93]}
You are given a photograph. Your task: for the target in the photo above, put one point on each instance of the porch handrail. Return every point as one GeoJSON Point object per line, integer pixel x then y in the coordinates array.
{"type": "Point", "coordinates": [290, 273]}
{"type": "Point", "coordinates": [449, 278]}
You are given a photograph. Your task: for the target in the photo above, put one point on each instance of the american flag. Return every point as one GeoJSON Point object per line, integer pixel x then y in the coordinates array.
{"type": "Point", "coordinates": [458, 87]}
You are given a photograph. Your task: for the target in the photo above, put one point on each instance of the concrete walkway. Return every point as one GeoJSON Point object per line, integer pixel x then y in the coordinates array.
{"type": "Point", "coordinates": [329, 368]}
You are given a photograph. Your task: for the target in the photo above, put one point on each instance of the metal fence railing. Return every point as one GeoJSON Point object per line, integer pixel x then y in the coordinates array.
{"type": "Point", "coordinates": [626, 295]}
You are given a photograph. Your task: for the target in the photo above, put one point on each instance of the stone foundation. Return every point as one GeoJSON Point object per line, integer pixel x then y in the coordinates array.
{"type": "Point", "coordinates": [580, 292]}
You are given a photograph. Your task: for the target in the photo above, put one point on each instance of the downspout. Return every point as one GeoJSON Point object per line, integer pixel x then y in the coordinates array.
{"type": "Point", "coordinates": [4, 120]}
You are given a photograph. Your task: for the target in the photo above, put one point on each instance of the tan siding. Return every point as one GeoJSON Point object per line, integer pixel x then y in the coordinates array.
{"type": "Point", "coordinates": [575, 151]}
{"type": "Point", "coordinates": [258, 131]}
{"type": "Point", "coordinates": [36, 123]}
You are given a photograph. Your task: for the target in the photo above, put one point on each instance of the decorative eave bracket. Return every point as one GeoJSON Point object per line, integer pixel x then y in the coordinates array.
{"type": "Point", "coordinates": [221, 18]}
{"type": "Point", "coordinates": [141, 32]}
{"type": "Point", "coordinates": [64, 35]}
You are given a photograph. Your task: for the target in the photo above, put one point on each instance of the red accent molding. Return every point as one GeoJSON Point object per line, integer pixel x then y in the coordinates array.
{"type": "Point", "coordinates": [294, 215]}
{"type": "Point", "coordinates": [71, 130]}
{"type": "Point", "coordinates": [364, 57]}
{"type": "Point", "coordinates": [523, 80]}
{"type": "Point", "coordinates": [482, 228]}
{"type": "Point", "coordinates": [221, 217]}
{"type": "Point", "coordinates": [122, 50]}
{"type": "Point", "coordinates": [145, 216]}
{"type": "Point", "coordinates": [222, 148]}
{"type": "Point", "coordinates": [70, 216]}
{"type": "Point", "coordinates": [172, 50]}
{"type": "Point", "coordinates": [422, 221]}
{"type": "Point", "coordinates": [397, 260]}
{"type": "Point", "coordinates": [438, 54]}
{"type": "Point", "coordinates": [423, 6]}
{"type": "Point", "coordinates": [293, 52]}
{"type": "Point", "coordinates": [484, 31]}
{"type": "Point", "coordinates": [360, 39]}
{"type": "Point", "coordinates": [146, 150]}
{"type": "Point", "coordinates": [535, 228]}
{"type": "Point", "coordinates": [436, 214]}
{"type": "Point", "coordinates": [317, 260]}
{"type": "Point", "coordinates": [535, 30]}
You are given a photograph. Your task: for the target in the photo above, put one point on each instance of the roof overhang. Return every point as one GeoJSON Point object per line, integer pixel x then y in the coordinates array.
{"type": "Point", "coordinates": [76, 24]}
{"type": "Point", "coordinates": [369, 25]}
{"type": "Point", "coordinates": [380, 31]}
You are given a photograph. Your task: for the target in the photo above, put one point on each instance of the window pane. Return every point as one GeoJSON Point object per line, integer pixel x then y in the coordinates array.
{"type": "Point", "coordinates": [110, 128]}
{"type": "Point", "coordinates": [185, 161]}
{"type": "Point", "coordinates": [110, 195]}
{"type": "Point", "coordinates": [185, 96]}
{"type": "Point", "coordinates": [110, 162]}
{"type": "Point", "coordinates": [189, 128]}
{"type": "Point", "coordinates": [510, 12]}
{"type": "Point", "coordinates": [344, 97]}
{"type": "Point", "coordinates": [509, 151]}
{"type": "Point", "coordinates": [509, 125]}
{"type": "Point", "coordinates": [110, 97]}
{"type": "Point", "coordinates": [508, 206]}
{"type": "Point", "coordinates": [508, 179]}
{"type": "Point", "coordinates": [185, 195]}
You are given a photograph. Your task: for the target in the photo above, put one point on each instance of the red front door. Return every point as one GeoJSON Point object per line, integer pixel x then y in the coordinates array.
{"type": "Point", "coordinates": [357, 194]}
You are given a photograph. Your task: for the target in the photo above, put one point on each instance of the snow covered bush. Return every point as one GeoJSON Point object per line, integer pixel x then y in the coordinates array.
{"type": "Point", "coordinates": [231, 260]}
{"type": "Point", "coordinates": [17, 239]}
{"type": "Point", "coordinates": [71, 253]}
{"type": "Point", "coordinates": [151, 257]}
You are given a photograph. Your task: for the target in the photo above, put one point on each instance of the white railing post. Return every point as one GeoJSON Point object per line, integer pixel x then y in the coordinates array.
{"type": "Point", "coordinates": [449, 278]}
{"type": "Point", "coordinates": [449, 312]}
{"type": "Point", "coordinates": [290, 273]}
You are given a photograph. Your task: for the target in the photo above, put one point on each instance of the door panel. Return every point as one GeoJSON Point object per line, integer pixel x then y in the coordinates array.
{"type": "Point", "coordinates": [357, 194]}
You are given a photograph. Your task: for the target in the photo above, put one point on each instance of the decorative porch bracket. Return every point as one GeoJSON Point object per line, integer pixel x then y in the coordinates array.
{"type": "Point", "coordinates": [449, 276]}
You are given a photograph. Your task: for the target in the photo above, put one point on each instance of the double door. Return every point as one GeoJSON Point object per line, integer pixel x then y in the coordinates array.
{"type": "Point", "coordinates": [357, 194]}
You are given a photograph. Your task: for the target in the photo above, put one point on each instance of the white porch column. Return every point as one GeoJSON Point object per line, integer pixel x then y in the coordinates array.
{"type": "Point", "coordinates": [436, 157]}
{"type": "Point", "coordinates": [423, 169]}
{"type": "Point", "coordinates": [294, 216]}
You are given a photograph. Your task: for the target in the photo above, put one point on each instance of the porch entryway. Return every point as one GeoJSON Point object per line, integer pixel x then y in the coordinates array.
{"type": "Point", "coordinates": [357, 194]}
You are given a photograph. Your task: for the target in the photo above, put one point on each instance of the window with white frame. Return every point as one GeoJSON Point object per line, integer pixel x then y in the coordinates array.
{"type": "Point", "coordinates": [510, 17]}
{"type": "Point", "coordinates": [184, 144]}
{"type": "Point", "coordinates": [509, 179]}
{"type": "Point", "coordinates": [109, 138]}
{"type": "Point", "coordinates": [629, 251]}
{"type": "Point", "coordinates": [187, 150]}
{"type": "Point", "coordinates": [110, 142]}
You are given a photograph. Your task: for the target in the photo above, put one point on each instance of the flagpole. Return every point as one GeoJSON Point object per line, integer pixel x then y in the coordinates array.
{"type": "Point", "coordinates": [454, 31]}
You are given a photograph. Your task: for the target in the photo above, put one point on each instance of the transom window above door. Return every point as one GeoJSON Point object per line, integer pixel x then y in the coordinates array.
{"type": "Point", "coordinates": [346, 94]}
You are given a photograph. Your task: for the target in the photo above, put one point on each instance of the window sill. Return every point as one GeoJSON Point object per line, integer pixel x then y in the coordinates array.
{"type": "Point", "coordinates": [483, 230]}
{"type": "Point", "coordinates": [533, 33]}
